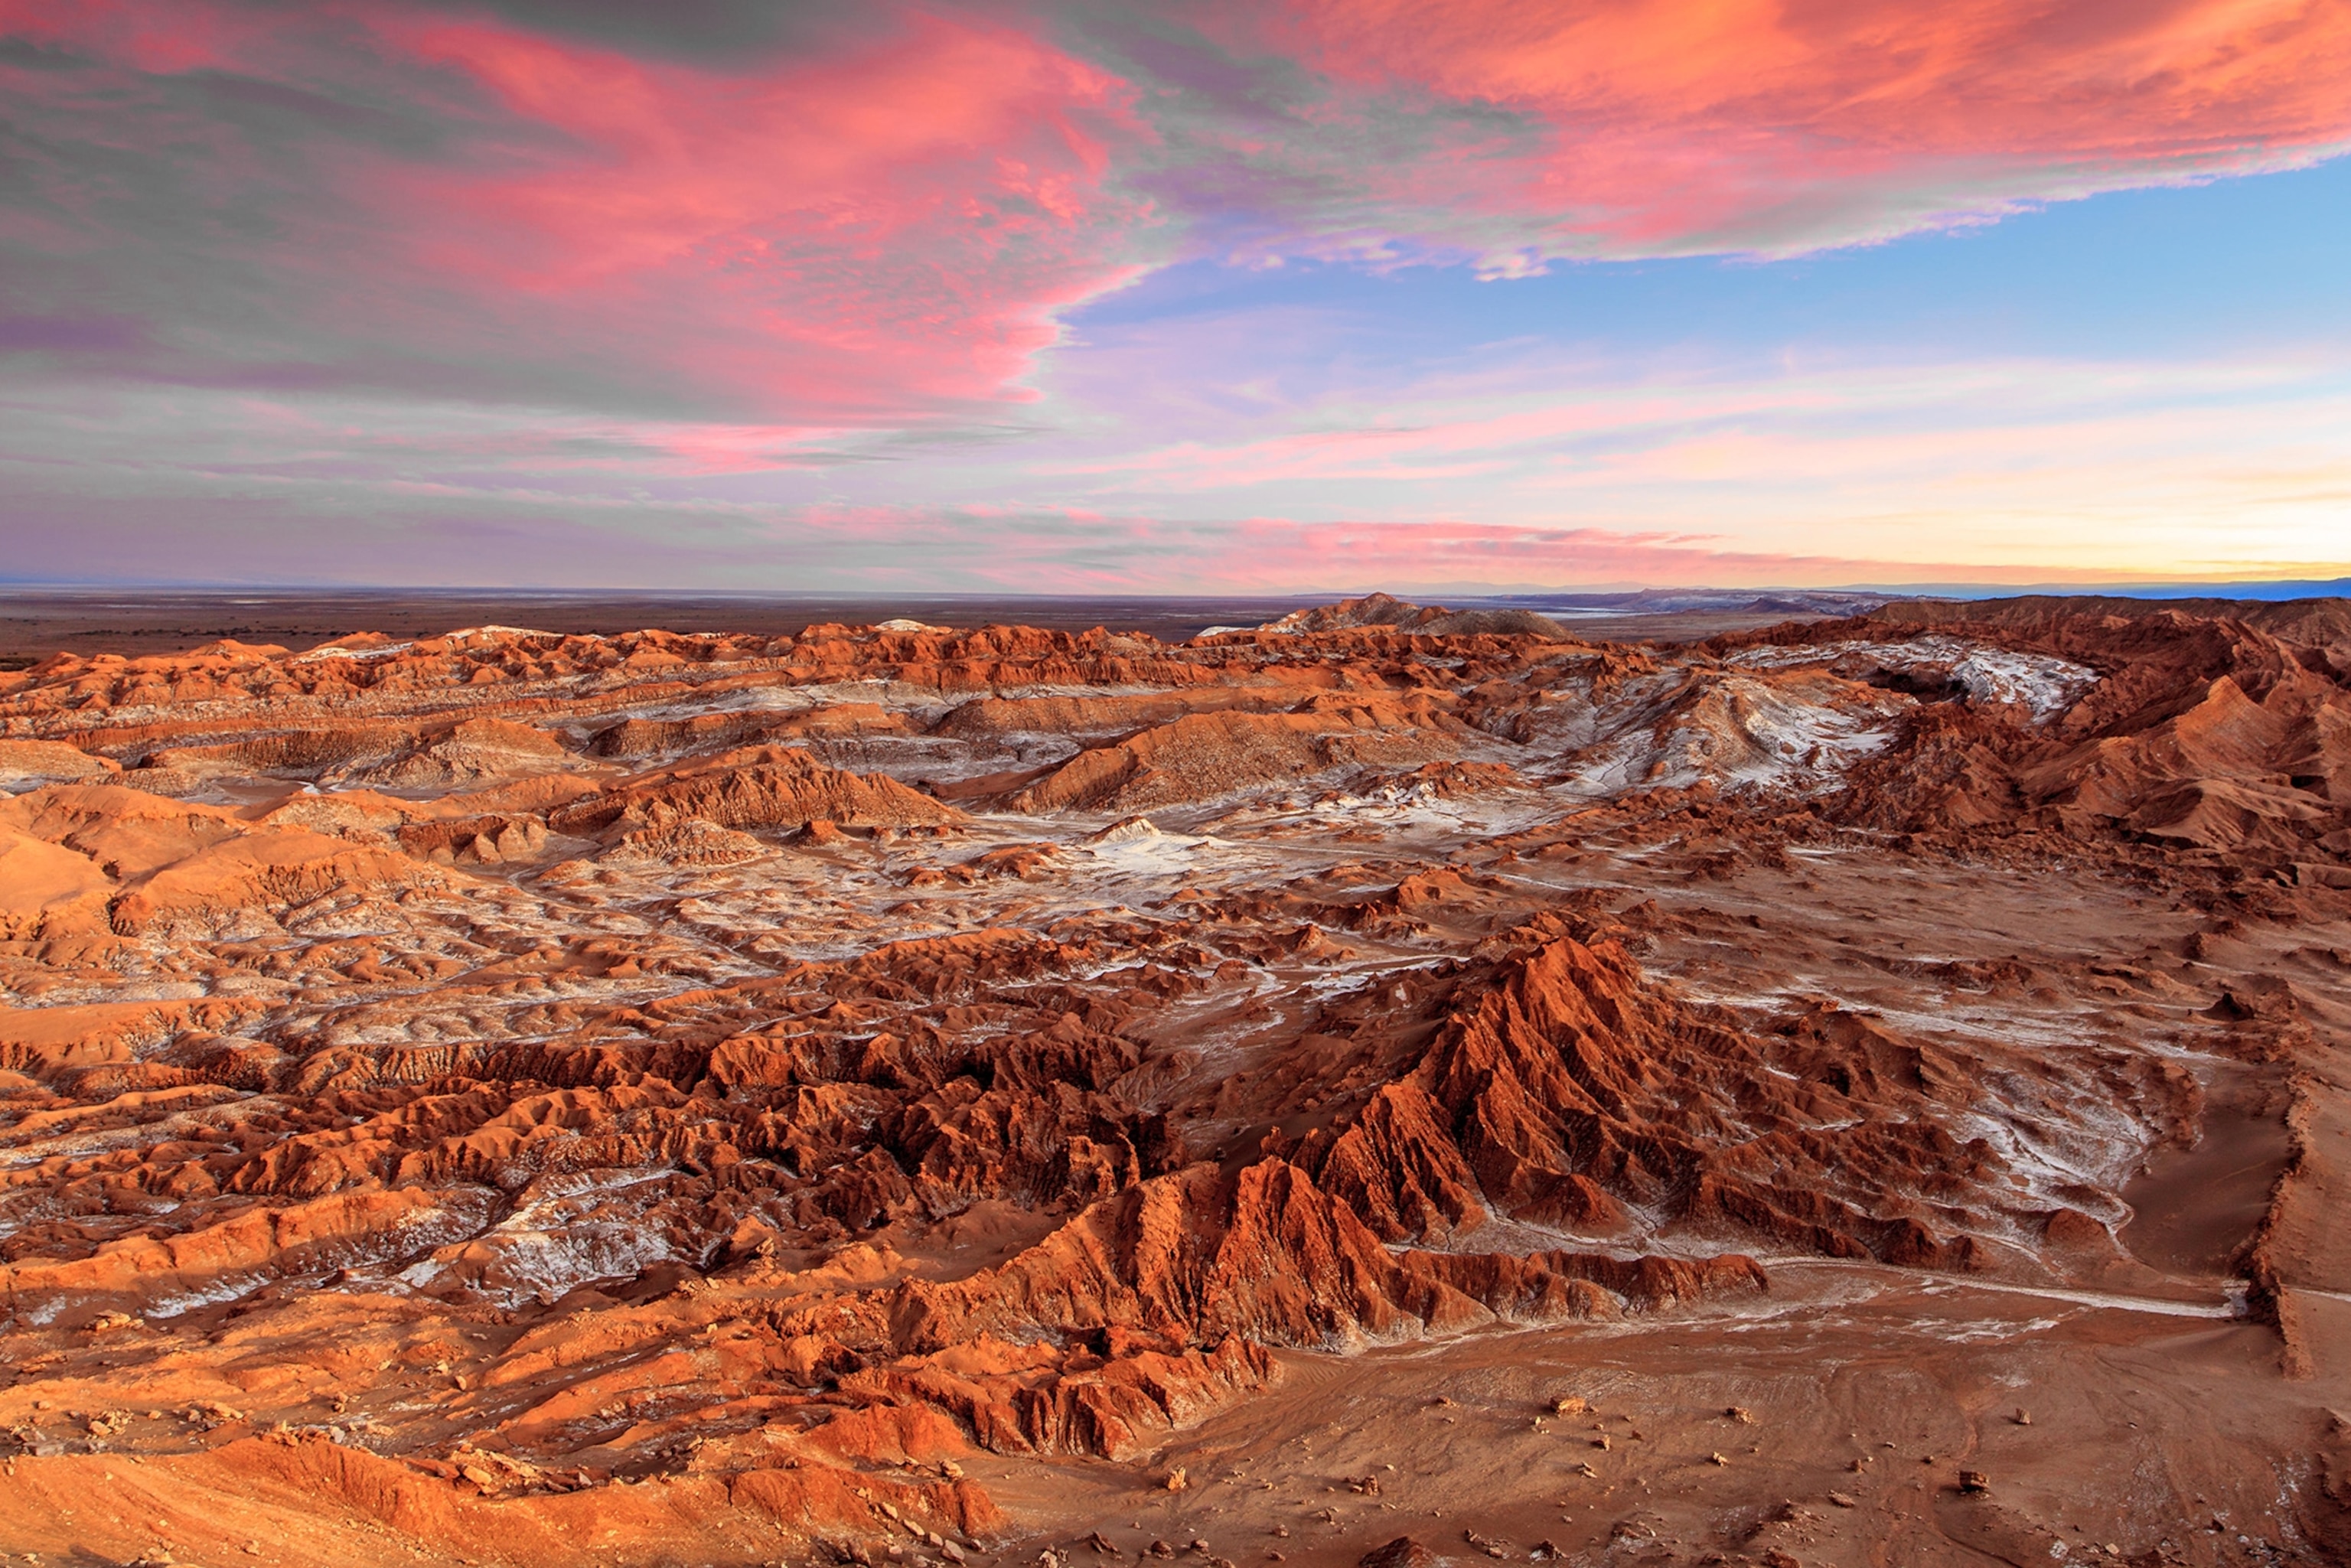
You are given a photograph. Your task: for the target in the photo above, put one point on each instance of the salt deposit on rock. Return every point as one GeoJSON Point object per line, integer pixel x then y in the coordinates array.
{"type": "Point", "coordinates": [577, 1098]}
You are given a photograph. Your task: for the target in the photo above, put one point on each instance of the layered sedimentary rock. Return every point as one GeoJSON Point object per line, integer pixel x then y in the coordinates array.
{"type": "Point", "coordinates": [790, 1066]}
{"type": "Point", "coordinates": [2199, 733]}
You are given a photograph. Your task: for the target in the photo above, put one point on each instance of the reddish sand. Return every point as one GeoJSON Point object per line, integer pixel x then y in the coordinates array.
{"type": "Point", "coordinates": [1866, 1091]}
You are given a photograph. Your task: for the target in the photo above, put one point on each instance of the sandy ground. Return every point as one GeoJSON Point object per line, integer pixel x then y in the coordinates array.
{"type": "Point", "coordinates": [587, 1137]}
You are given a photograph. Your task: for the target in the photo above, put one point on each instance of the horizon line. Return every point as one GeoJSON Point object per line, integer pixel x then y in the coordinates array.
{"type": "Point", "coordinates": [2328, 587]}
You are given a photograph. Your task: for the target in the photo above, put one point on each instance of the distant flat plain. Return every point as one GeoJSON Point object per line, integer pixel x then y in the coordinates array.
{"type": "Point", "coordinates": [37, 622]}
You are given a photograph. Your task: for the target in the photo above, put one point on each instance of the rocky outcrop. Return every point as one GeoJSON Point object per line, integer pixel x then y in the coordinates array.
{"type": "Point", "coordinates": [2200, 734]}
{"type": "Point", "coordinates": [1380, 610]}
{"type": "Point", "coordinates": [768, 787]}
{"type": "Point", "coordinates": [675, 1071]}
{"type": "Point", "coordinates": [1204, 756]}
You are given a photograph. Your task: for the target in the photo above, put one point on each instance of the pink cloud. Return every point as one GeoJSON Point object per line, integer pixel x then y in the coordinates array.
{"type": "Point", "coordinates": [1347, 554]}
{"type": "Point", "coordinates": [904, 219]}
{"type": "Point", "coordinates": [1672, 126]}
{"type": "Point", "coordinates": [1078, 551]}
{"type": "Point", "coordinates": [161, 39]}
{"type": "Point", "coordinates": [871, 234]}
{"type": "Point", "coordinates": [882, 227]}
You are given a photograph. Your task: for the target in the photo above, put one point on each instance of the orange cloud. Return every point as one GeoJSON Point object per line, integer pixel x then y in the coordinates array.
{"type": "Point", "coordinates": [882, 225]}
{"type": "Point", "coordinates": [1771, 125]}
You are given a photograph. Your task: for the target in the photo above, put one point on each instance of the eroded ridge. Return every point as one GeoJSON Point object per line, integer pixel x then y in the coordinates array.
{"type": "Point", "coordinates": [617, 1092]}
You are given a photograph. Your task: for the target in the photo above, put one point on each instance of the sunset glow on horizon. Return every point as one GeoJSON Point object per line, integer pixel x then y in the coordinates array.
{"type": "Point", "coordinates": [1484, 295]}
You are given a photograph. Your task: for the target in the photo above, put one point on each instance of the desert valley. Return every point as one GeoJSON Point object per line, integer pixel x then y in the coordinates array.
{"type": "Point", "coordinates": [1419, 1084]}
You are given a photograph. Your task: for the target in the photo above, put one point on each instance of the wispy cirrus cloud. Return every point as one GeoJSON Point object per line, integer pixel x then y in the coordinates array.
{"type": "Point", "coordinates": [2050, 464]}
{"type": "Point", "coordinates": [688, 285]}
{"type": "Point", "coordinates": [881, 218]}
{"type": "Point", "coordinates": [1988, 471]}
{"type": "Point", "coordinates": [1641, 128]}
{"type": "Point", "coordinates": [878, 229]}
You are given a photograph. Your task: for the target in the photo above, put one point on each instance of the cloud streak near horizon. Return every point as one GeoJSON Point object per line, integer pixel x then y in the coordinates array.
{"type": "Point", "coordinates": [527, 272]}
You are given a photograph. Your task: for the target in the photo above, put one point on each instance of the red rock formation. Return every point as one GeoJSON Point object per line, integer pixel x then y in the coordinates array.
{"type": "Point", "coordinates": [772, 1126]}
{"type": "Point", "coordinates": [767, 787]}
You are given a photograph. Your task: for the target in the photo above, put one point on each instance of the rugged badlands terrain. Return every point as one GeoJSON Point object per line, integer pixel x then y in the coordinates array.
{"type": "Point", "coordinates": [1860, 1090]}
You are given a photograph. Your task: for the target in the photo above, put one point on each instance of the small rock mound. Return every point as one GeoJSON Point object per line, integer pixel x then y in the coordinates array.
{"type": "Point", "coordinates": [476, 749]}
{"type": "Point", "coordinates": [24, 763]}
{"type": "Point", "coordinates": [765, 787]}
{"type": "Point", "coordinates": [694, 842]}
{"type": "Point", "coordinates": [1381, 609]}
{"type": "Point", "coordinates": [1203, 755]}
{"type": "Point", "coordinates": [1404, 1552]}
{"type": "Point", "coordinates": [487, 839]}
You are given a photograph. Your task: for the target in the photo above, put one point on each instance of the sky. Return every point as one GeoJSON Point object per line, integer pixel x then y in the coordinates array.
{"type": "Point", "coordinates": [1280, 297]}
